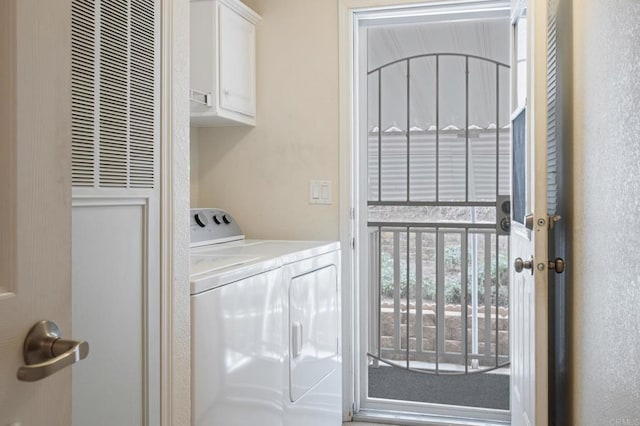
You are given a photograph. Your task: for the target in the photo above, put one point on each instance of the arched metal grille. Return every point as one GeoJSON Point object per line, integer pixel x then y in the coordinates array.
{"type": "Point", "coordinates": [438, 195]}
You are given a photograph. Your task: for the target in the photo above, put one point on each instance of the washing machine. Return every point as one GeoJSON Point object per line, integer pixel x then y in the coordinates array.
{"type": "Point", "coordinates": [265, 322]}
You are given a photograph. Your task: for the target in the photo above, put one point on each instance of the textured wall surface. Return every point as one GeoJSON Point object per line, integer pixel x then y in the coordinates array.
{"type": "Point", "coordinates": [261, 175]}
{"type": "Point", "coordinates": [606, 225]}
{"type": "Point", "coordinates": [194, 156]}
{"type": "Point", "coordinates": [177, 16]}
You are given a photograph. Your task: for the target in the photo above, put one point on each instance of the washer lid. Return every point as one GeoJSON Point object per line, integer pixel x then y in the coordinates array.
{"type": "Point", "coordinates": [218, 271]}
{"type": "Point", "coordinates": [205, 263]}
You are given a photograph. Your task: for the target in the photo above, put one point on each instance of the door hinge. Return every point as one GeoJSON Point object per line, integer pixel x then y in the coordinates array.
{"type": "Point", "coordinates": [352, 213]}
{"type": "Point", "coordinates": [353, 244]}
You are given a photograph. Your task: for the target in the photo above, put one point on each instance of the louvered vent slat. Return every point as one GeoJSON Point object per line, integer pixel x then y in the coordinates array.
{"type": "Point", "coordinates": [114, 88]}
{"type": "Point", "coordinates": [143, 104]}
{"type": "Point", "coordinates": [82, 93]}
{"type": "Point", "coordinates": [114, 93]}
{"type": "Point", "coordinates": [552, 113]}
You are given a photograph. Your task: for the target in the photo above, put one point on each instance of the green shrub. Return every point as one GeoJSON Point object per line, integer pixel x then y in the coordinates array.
{"type": "Point", "coordinates": [453, 293]}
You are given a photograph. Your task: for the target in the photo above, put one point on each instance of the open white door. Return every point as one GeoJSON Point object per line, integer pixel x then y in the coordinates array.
{"type": "Point", "coordinates": [529, 230]}
{"type": "Point", "coordinates": [35, 197]}
{"type": "Point", "coordinates": [80, 194]}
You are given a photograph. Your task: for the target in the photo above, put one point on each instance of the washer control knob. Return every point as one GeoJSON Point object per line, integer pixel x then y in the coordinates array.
{"type": "Point", "coordinates": [216, 220]}
{"type": "Point", "coordinates": [226, 219]}
{"type": "Point", "coordinates": [201, 220]}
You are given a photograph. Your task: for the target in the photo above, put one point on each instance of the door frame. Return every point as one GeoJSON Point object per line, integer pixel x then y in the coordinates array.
{"type": "Point", "coordinates": [353, 225]}
{"type": "Point", "coordinates": [175, 325]}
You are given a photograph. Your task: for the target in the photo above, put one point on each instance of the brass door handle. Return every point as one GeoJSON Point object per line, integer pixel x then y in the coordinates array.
{"type": "Point", "coordinates": [46, 352]}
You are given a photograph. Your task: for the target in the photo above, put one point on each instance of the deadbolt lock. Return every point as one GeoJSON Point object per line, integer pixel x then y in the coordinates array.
{"type": "Point", "coordinates": [557, 265]}
{"type": "Point", "coordinates": [528, 221]}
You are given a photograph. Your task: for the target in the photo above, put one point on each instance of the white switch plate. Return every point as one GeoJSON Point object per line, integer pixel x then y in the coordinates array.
{"type": "Point", "coordinates": [320, 192]}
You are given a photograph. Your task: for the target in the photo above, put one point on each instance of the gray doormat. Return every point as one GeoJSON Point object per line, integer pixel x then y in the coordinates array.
{"type": "Point", "coordinates": [485, 390]}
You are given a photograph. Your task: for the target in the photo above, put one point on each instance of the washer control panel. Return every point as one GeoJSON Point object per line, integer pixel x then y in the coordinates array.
{"type": "Point", "coordinates": [212, 226]}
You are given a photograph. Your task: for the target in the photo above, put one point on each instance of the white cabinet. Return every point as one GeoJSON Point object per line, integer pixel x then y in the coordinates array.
{"type": "Point", "coordinates": [223, 63]}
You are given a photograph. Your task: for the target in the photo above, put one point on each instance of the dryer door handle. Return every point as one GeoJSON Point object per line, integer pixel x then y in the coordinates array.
{"type": "Point", "coordinates": [296, 339]}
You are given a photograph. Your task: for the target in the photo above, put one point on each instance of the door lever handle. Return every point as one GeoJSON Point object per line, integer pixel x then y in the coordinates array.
{"type": "Point", "coordinates": [46, 352]}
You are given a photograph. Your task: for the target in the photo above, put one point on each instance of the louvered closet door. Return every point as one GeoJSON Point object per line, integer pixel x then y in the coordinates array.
{"type": "Point", "coordinates": [115, 213]}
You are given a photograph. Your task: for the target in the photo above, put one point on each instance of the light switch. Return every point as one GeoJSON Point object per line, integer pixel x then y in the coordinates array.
{"type": "Point", "coordinates": [320, 192]}
{"type": "Point", "coordinates": [315, 192]}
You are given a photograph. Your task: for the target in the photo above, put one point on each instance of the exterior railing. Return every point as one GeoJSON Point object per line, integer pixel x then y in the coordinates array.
{"type": "Point", "coordinates": [424, 314]}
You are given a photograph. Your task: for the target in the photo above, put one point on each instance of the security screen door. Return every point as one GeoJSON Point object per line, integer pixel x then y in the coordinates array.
{"type": "Point", "coordinates": [436, 161]}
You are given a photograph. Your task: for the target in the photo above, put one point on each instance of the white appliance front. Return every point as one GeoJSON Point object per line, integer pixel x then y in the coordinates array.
{"type": "Point", "coordinates": [237, 356]}
{"type": "Point", "coordinates": [313, 369]}
{"type": "Point", "coordinates": [265, 328]}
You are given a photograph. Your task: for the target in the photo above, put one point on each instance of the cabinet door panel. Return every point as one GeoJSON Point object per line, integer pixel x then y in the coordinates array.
{"type": "Point", "coordinates": [237, 62]}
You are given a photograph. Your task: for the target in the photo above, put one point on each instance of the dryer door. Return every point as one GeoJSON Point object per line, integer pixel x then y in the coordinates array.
{"type": "Point", "coordinates": [313, 323]}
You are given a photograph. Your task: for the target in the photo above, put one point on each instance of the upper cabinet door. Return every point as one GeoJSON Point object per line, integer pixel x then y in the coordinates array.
{"type": "Point", "coordinates": [237, 37]}
{"type": "Point", "coordinates": [223, 63]}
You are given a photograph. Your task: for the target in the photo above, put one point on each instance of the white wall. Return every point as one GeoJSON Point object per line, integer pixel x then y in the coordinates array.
{"type": "Point", "coordinates": [605, 341]}
{"type": "Point", "coordinates": [261, 175]}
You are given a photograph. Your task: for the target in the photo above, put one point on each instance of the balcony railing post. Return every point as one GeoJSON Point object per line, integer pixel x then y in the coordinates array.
{"type": "Point", "coordinates": [464, 287]}
{"type": "Point", "coordinates": [375, 306]}
{"type": "Point", "coordinates": [439, 297]}
{"type": "Point", "coordinates": [487, 295]}
{"type": "Point", "coordinates": [419, 319]}
{"type": "Point", "coordinates": [396, 292]}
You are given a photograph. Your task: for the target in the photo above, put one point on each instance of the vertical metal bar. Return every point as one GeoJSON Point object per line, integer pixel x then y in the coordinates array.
{"type": "Point", "coordinates": [419, 320]}
{"type": "Point", "coordinates": [372, 312]}
{"type": "Point", "coordinates": [487, 295]}
{"type": "Point", "coordinates": [379, 291]}
{"type": "Point", "coordinates": [507, 272]}
{"type": "Point", "coordinates": [439, 296]}
{"type": "Point", "coordinates": [380, 134]}
{"type": "Point", "coordinates": [466, 127]}
{"type": "Point", "coordinates": [437, 127]}
{"type": "Point", "coordinates": [474, 287]}
{"type": "Point", "coordinates": [374, 294]}
{"type": "Point", "coordinates": [396, 291]}
{"type": "Point", "coordinates": [497, 130]}
{"type": "Point", "coordinates": [464, 286]}
{"type": "Point", "coordinates": [497, 299]}
{"type": "Point", "coordinates": [408, 281]}
{"type": "Point", "coordinates": [497, 193]}
{"type": "Point", "coordinates": [408, 131]}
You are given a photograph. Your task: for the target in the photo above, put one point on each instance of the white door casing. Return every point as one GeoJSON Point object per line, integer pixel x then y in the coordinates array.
{"type": "Point", "coordinates": [528, 291]}
{"type": "Point", "coordinates": [35, 188]}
